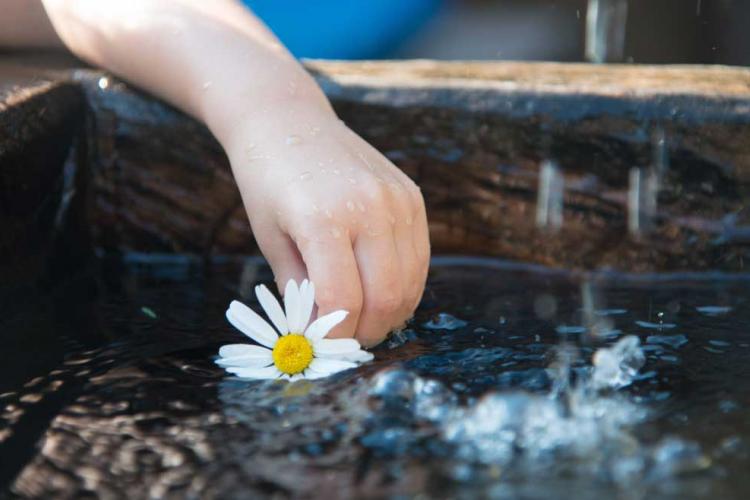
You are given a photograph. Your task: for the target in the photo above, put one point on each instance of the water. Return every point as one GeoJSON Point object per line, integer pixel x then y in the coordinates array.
{"type": "Point", "coordinates": [109, 388]}
{"type": "Point", "coordinates": [605, 30]}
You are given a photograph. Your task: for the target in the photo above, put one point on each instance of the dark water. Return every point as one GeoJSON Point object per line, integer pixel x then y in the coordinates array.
{"type": "Point", "coordinates": [109, 390]}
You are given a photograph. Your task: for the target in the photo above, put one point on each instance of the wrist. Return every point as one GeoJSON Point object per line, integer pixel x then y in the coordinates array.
{"type": "Point", "coordinates": [270, 125]}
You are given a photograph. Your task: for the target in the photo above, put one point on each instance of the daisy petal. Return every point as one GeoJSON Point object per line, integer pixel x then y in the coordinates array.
{"type": "Point", "coordinates": [330, 366]}
{"type": "Point", "coordinates": [291, 304]}
{"type": "Point", "coordinates": [232, 350]}
{"type": "Point", "coordinates": [244, 361]}
{"type": "Point", "coordinates": [248, 322]}
{"type": "Point", "coordinates": [307, 301]}
{"type": "Point", "coordinates": [268, 372]}
{"type": "Point", "coordinates": [321, 326]}
{"type": "Point", "coordinates": [359, 356]}
{"type": "Point", "coordinates": [273, 308]}
{"type": "Point", "coordinates": [312, 374]}
{"type": "Point", "coordinates": [335, 346]}
{"type": "Point", "coordinates": [296, 377]}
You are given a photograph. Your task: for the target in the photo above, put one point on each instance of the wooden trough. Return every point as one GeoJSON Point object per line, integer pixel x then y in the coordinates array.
{"type": "Point", "coordinates": [87, 161]}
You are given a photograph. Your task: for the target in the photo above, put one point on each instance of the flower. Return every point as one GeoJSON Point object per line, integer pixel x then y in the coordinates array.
{"type": "Point", "coordinates": [293, 350]}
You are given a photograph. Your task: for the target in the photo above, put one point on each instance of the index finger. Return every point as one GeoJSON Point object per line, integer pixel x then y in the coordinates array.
{"type": "Point", "coordinates": [331, 266]}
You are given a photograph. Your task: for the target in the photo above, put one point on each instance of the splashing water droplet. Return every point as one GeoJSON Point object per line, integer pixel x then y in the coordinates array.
{"type": "Point", "coordinates": [549, 207]}
{"type": "Point", "coordinates": [293, 140]}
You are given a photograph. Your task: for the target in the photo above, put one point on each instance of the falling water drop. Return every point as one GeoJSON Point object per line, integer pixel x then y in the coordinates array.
{"type": "Point", "coordinates": [642, 198]}
{"type": "Point", "coordinates": [549, 207]}
{"type": "Point", "coordinates": [605, 30]}
{"type": "Point", "coordinates": [660, 152]}
{"type": "Point", "coordinates": [293, 140]}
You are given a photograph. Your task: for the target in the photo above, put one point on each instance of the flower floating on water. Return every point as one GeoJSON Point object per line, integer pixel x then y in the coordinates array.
{"type": "Point", "coordinates": [294, 350]}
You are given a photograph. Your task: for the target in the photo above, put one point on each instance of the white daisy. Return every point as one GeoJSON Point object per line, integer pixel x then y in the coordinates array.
{"type": "Point", "coordinates": [293, 350]}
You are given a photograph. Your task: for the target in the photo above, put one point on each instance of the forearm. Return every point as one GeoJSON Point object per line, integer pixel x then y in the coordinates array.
{"type": "Point", "coordinates": [213, 60]}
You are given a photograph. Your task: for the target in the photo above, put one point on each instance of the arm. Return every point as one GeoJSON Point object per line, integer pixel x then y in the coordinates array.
{"type": "Point", "coordinates": [322, 202]}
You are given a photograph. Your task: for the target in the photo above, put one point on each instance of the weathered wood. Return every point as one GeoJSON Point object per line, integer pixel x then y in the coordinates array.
{"type": "Point", "coordinates": [473, 136]}
{"type": "Point", "coordinates": [40, 123]}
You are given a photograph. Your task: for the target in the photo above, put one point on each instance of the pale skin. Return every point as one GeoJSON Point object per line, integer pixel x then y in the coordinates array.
{"type": "Point", "coordinates": [323, 204]}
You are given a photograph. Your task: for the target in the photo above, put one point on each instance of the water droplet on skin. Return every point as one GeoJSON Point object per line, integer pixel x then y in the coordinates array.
{"type": "Point", "coordinates": [328, 214]}
{"type": "Point", "coordinates": [374, 232]}
{"type": "Point", "coordinates": [293, 140]}
{"type": "Point", "coordinates": [304, 176]}
{"type": "Point", "coordinates": [336, 232]}
{"type": "Point", "coordinates": [207, 85]}
{"type": "Point", "coordinates": [350, 206]}
{"type": "Point", "coordinates": [314, 131]}
{"type": "Point", "coordinates": [352, 180]}
{"type": "Point", "coordinates": [361, 206]}
{"type": "Point", "coordinates": [409, 221]}
{"type": "Point", "coordinates": [395, 187]}
{"type": "Point", "coordinates": [365, 161]}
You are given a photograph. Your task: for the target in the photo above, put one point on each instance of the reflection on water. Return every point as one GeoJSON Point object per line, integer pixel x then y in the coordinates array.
{"type": "Point", "coordinates": [509, 382]}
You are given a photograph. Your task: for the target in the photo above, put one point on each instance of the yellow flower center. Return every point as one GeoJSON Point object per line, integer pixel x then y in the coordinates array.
{"type": "Point", "coordinates": [292, 354]}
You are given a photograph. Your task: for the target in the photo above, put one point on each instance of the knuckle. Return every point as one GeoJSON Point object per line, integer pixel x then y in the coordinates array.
{"type": "Point", "coordinates": [374, 190]}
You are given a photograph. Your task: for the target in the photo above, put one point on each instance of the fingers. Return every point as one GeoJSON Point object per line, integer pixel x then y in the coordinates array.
{"type": "Point", "coordinates": [331, 266]}
{"type": "Point", "coordinates": [382, 287]}
{"type": "Point", "coordinates": [281, 253]}
{"type": "Point", "coordinates": [404, 242]}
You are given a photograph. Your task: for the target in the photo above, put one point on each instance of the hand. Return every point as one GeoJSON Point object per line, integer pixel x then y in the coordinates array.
{"type": "Point", "coordinates": [325, 205]}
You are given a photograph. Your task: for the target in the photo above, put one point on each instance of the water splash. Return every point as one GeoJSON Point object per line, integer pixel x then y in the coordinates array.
{"type": "Point", "coordinates": [549, 207]}
{"type": "Point", "coordinates": [605, 30]}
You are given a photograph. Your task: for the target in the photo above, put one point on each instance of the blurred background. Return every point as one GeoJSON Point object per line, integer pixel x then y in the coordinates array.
{"type": "Point", "coordinates": [655, 31]}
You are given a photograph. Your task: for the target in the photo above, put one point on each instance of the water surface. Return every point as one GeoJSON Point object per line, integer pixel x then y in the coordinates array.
{"type": "Point", "coordinates": [109, 389]}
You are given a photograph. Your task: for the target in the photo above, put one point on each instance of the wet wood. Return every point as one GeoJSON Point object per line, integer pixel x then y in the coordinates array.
{"type": "Point", "coordinates": [472, 135]}
{"type": "Point", "coordinates": [40, 125]}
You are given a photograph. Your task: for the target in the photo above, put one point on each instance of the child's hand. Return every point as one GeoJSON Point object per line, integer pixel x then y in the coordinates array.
{"type": "Point", "coordinates": [321, 201]}
{"type": "Point", "coordinates": [326, 205]}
